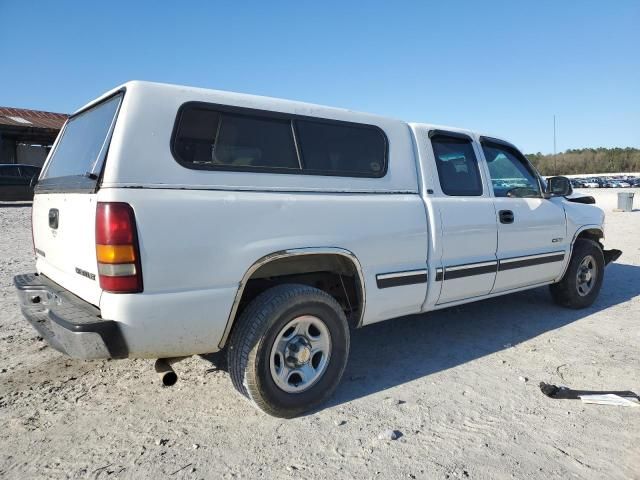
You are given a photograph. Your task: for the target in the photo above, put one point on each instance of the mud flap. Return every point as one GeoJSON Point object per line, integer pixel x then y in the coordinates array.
{"type": "Point", "coordinates": [611, 256]}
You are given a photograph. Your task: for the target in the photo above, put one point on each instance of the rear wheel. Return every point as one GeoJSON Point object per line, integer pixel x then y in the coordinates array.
{"type": "Point", "coordinates": [582, 281]}
{"type": "Point", "coordinates": [289, 349]}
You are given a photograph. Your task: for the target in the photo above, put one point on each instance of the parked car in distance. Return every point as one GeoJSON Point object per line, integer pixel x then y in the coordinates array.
{"type": "Point", "coordinates": [616, 183]}
{"type": "Point", "coordinates": [591, 184]}
{"type": "Point", "coordinates": [173, 221]}
{"type": "Point", "coordinates": [17, 181]}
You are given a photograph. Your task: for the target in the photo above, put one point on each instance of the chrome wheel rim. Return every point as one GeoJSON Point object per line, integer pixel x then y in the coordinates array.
{"type": "Point", "coordinates": [586, 276]}
{"type": "Point", "coordinates": [300, 354]}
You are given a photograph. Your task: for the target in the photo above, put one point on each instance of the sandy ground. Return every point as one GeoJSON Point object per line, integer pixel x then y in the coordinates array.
{"type": "Point", "coordinates": [459, 385]}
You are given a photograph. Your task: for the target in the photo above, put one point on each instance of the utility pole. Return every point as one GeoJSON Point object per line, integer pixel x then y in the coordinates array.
{"type": "Point", "coordinates": [555, 157]}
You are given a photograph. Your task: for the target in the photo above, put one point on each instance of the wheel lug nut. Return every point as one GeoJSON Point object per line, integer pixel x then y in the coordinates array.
{"type": "Point", "coordinates": [291, 359]}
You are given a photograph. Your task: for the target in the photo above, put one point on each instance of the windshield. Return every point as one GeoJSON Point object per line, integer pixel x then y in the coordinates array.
{"type": "Point", "coordinates": [84, 139]}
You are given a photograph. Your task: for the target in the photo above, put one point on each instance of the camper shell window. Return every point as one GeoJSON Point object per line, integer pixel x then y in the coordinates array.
{"type": "Point", "coordinates": [217, 137]}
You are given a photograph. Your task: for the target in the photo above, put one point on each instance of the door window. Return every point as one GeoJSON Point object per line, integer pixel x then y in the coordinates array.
{"type": "Point", "coordinates": [457, 166]}
{"type": "Point", "coordinates": [511, 175]}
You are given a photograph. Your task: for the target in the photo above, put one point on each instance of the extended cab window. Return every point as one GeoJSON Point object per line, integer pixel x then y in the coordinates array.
{"type": "Point", "coordinates": [457, 166]}
{"type": "Point", "coordinates": [227, 138]}
{"type": "Point", "coordinates": [511, 174]}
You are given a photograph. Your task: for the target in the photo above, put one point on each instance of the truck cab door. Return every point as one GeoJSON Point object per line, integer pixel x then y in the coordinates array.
{"type": "Point", "coordinates": [532, 243]}
{"type": "Point", "coordinates": [461, 197]}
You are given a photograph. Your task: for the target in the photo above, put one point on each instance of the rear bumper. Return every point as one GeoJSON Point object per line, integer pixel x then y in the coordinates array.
{"type": "Point", "coordinates": [68, 323]}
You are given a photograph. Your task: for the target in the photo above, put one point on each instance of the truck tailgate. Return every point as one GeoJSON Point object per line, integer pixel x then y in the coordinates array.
{"type": "Point", "coordinates": [64, 204]}
{"type": "Point", "coordinates": [64, 238]}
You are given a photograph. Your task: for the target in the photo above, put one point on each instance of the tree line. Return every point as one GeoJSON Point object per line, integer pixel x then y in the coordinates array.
{"type": "Point", "coordinates": [587, 160]}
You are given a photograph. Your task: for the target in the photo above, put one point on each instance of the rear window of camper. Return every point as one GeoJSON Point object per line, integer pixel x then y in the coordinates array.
{"type": "Point", "coordinates": [212, 137]}
{"type": "Point", "coordinates": [84, 141]}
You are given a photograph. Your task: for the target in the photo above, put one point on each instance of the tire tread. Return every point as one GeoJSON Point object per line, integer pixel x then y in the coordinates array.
{"type": "Point", "coordinates": [253, 325]}
{"type": "Point", "coordinates": [564, 292]}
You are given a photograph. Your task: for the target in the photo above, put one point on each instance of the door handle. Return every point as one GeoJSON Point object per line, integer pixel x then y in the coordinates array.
{"type": "Point", "coordinates": [506, 216]}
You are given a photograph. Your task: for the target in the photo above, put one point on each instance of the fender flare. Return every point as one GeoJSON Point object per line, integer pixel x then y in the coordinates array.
{"type": "Point", "coordinates": [573, 242]}
{"type": "Point", "coordinates": [291, 253]}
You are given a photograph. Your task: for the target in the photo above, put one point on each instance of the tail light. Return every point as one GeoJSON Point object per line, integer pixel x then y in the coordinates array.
{"type": "Point", "coordinates": [117, 248]}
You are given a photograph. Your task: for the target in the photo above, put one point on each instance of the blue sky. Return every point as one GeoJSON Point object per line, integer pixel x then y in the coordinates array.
{"type": "Point", "coordinates": [502, 67]}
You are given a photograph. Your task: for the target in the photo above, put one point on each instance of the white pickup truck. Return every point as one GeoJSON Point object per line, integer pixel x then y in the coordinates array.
{"type": "Point", "coordinates": [171, 221]}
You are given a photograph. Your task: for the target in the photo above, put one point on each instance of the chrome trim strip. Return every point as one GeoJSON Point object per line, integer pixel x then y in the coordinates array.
{"type": "Point", "coordinates": [531, 262]}
{"type": "Point", "coordinates": [407, 273]}
{"type": "Point", "coordinates": [292, 253]}
{"type": "Point", "coordinates": [471, 270]}
{"type": "Point", "coordinates": [528, 257]}
{"type": "Point", "coordinates": [482, 268]}
{"type": "Point", "coordinates": [400, 279]}
{"type": "Point", "coordinates": [470, 265]}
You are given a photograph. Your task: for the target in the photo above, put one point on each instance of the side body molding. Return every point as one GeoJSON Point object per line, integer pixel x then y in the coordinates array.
{"type": "Point", "coordinates": [292, 253]}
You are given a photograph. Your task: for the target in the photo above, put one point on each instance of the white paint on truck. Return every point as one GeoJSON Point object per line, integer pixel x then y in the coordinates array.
{"type": "Point", "coordinates": [232, 195]}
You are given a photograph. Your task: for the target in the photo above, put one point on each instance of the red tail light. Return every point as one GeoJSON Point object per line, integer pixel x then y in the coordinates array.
{"type": "Point", "coordinates": [117, 248]}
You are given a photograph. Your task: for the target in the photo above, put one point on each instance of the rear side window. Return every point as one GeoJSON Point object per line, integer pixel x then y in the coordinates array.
{"type": "Point", "coordinates": [214, 139]}
{"type": "Point", "coordinates": [83, 144]}
{"type": "Point", "coordinates": [224, 138]}
{"type": "Point", "coordinates": [457, 166]}
{"type": "Point", "coordinates": [254, 142]}
{"type": "Point", "coordinates": [340, 149]}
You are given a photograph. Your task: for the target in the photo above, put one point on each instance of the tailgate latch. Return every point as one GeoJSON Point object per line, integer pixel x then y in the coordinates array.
{"type": "Point", "coordinates": [54, 217]}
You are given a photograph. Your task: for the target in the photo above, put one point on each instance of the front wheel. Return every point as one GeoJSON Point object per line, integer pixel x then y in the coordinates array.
{"type": "Point", "coordinates": [289, 349]}
{"type": "Point", "coordinates": [582, 281]}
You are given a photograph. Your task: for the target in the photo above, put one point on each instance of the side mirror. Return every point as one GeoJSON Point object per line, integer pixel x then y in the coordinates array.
{"type": "Point", "coordinates": [559, 187]}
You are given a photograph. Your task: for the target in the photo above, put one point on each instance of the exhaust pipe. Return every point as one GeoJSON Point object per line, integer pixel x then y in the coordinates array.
{"type": "Point", "coordinates": [168, 376]}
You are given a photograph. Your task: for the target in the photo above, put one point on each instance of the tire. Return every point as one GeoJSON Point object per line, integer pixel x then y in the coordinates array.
{"type": "Point", "coordinates": [572, 291]}
{"type": "Point", "coordinates": [262, 362]}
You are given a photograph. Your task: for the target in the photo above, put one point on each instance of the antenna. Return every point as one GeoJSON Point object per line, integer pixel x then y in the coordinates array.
{"type": "Point", "coordinates": [555, 157]}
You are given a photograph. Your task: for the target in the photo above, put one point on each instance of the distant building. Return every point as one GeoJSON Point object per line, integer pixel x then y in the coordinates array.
{"type": "Point", "coordinates": [26, 136]}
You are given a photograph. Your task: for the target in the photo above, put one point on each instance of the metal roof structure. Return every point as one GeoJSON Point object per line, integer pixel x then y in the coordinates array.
{"type": "Point", "coordinates": [26, 136]}
{"type": "Point", "coordinates": [20, 117]}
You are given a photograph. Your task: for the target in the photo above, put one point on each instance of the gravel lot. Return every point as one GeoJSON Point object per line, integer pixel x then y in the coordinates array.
{"type": "Point", "coordinates": [460, 386]}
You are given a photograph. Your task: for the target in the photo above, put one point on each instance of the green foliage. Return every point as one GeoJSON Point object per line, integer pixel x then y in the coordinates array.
{"type": "Point", "coordinates": [588, 160]}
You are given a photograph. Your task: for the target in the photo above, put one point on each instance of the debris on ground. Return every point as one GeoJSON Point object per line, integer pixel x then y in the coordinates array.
{"type": "Point", "coordinates": [389, 435]}
{"type": "Point", "coordinates": [611, 399]}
